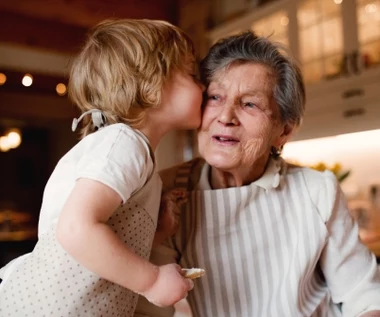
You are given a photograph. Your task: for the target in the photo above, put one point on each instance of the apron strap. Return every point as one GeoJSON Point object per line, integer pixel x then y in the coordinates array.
{"type": "Point", "coordinates": [188, 173]}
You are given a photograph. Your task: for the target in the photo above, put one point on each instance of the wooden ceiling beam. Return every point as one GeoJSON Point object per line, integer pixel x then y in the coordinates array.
{"type": "Point", "coordinates": [88, 13]}
{"type": "Point", "coordinates": [35, 33]}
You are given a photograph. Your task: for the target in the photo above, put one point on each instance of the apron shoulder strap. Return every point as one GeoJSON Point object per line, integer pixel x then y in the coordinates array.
{"type": "Point", "coordinates": [188, 173]}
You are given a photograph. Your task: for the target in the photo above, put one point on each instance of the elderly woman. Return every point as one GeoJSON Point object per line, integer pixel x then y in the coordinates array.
{"type": "Point", "coordinates": [274, 239]}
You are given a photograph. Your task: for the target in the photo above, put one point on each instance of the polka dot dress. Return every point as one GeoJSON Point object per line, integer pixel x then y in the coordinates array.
{"type": "Point", "coordinates": [50, 283]}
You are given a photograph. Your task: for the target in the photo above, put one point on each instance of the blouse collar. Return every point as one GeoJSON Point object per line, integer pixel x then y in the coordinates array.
{"type": "Point", "coordinates": [270, 179]}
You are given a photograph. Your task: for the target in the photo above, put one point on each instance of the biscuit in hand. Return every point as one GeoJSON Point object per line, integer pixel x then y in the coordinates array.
{"type": "Point", "coordinates": [193, 273]}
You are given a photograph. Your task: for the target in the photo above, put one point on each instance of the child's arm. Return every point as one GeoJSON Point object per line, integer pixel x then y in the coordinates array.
{"type": "Point", "coordinates": [83, 233]}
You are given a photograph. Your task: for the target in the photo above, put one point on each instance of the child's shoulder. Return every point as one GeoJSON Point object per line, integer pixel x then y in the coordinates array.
{"type": "Point", "coordinates": [111, 141]}
{"type": "Point", "coordinates": [119, 133]}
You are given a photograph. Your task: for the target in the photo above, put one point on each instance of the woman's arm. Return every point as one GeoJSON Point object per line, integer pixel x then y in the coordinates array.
{"type": "Point", "coordinates": [349, 268]}
{"type": "Point", "coordinates": [374, 313]}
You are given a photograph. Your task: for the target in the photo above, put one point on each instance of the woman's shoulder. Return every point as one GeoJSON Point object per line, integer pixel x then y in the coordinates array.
{"type": "Point", "coordinates": [316, 182]}
{"type": "Point", "coordinates": [322, 187]}
{"type": "Point", "coordinates": [311, 175]}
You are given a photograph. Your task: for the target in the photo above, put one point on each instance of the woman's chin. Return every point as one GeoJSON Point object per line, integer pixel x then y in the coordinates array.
{"type": "Point", "coordinates": [221, 161]}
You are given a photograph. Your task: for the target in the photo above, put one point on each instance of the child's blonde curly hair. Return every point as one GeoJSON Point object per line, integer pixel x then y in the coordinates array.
{"type": "Point", "coordinates": [123, 67]}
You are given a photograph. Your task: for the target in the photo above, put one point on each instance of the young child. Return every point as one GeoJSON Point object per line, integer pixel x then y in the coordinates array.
{"type": "Point", "coordinates": [134, 82]}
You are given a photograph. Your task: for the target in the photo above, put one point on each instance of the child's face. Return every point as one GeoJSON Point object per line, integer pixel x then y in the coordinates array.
{"type": "Point", "coordinates": [182, 98]}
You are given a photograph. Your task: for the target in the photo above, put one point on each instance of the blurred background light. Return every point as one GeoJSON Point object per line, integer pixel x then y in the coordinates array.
{"type": "Point", "coordinates": [14, 138]}
{"type": "Point", "coordinates": [3, 79]}
{"type": "Point", "coordinates": [27, 80]}
{"type": "Point", "coordinates": [61, 89]}
{"type": "Point", "coordinates": [11, 140]}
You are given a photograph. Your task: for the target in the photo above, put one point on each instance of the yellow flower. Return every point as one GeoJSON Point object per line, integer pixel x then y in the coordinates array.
{"type": "Point", "coordinates": [320, 166]}
{"type": "Point", "coordinates": [336, 168]}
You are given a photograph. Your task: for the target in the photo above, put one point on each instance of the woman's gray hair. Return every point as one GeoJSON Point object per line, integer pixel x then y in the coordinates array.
{"type": "Point", "coordinates": [289, 90]}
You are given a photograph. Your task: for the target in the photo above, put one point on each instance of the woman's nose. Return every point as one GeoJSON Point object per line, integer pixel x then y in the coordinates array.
{"type": "Point", "coordinates": [227, 116]}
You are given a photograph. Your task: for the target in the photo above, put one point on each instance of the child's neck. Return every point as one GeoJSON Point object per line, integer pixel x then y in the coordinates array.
{"type": "Point", "coordinates": [153, 133]}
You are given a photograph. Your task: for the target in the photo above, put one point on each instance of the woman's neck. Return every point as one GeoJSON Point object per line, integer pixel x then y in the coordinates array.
{"type": "Point", "coordinates": [237, 177]}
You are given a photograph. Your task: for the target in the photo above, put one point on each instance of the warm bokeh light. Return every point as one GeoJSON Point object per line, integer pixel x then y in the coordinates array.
{"type": "Point", "coordinates": [27, 80]}
{"type": "Point", "coordinates": [61, 89]}
{"type": "Point", "coordinates": [371, 8]}
{"type": "Point", "coordinates": [3, 79]}
{"type": "Point", "coordinates": [338, 1]}
{"type": "Point", "coordinates": [4, 144]}
{"type": "Point", "coordinates": [14, 138]}
{"type": "Point", "coordinates": [11, 140]}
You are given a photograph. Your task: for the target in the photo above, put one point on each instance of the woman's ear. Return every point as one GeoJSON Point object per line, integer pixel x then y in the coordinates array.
{"type": "Point", "coordinates": [288, 129]}
{"type": "Point", "coordinates": [284, 136]}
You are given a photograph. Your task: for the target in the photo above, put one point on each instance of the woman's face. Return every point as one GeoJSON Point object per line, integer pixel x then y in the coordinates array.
{"type": "Point", "coordinates": [241, 121]}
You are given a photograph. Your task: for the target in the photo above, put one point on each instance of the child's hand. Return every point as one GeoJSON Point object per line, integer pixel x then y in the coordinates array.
{"type": "Point", "coordinates": [170, 209]}
{"type": "Point", "coordinates": [170, 286]}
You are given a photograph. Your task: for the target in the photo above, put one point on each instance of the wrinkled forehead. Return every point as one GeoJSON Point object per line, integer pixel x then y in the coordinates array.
{"type": "Point", "coordinates": [247, 74]}
{"type": "Point", "coordinates": [241, 64]}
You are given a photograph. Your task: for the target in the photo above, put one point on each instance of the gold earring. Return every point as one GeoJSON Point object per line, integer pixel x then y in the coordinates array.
{"type": "Point", "coordinates": [276, 152]}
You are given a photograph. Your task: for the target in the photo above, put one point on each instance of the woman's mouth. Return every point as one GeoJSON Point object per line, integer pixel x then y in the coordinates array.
{"type": "Point", "coordinates": [225, 139]}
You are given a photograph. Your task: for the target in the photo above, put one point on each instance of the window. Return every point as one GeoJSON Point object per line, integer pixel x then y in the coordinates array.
{"type": "Point", "coordinates": [274, 26]}
{"type": "Point", "coordinates": [321, 39]}
{"type": "Point", "coordinates": [368, 12]}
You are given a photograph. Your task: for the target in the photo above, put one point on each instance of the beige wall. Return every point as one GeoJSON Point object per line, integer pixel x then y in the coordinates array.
{"type": "Point", "coordinates": [358, 152]}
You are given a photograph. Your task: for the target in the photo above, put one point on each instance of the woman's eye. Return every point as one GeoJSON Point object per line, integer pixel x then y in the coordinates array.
{"type": "Point", "coordinates": [249, 104]}
{"type": "Point", "coordinates": [213, 97]}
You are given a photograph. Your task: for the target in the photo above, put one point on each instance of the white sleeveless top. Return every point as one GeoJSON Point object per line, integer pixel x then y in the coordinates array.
{"type": "Point", "coordinates": [48, 282]}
